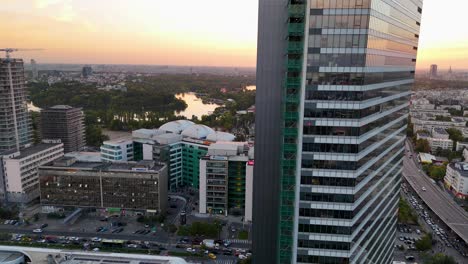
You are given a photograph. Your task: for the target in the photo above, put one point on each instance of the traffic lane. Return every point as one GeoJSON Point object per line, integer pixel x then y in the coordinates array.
{"type": "Point", "coordinates": [439, 205]}
{"type": "Point", "coordinates": [424, 181]}
{"type": "Point", "coordinates": [444, 208]}
{"type": "Point", "coordinates": [151, 238]}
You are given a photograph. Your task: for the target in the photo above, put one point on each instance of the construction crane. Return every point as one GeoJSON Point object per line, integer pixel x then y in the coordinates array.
{"type": "Point", "coordinates": [10, 50]}
{"type": "Point", "coordinates": [12, 92]}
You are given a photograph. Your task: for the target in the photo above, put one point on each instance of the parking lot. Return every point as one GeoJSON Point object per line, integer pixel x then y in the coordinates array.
{"type": "Point", "coordinates": [443, 240]}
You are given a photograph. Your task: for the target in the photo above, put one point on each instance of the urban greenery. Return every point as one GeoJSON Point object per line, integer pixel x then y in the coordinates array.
{"type": "Point", "coordinates": [422, 145]}
{"type": "Point", "coordinates": [425, 243]}
{"type": "Point", "coordinates": [449, 154]}
{"type": "Point", "coordinates": [210, 230]}
{"type": "Point", "coordinates": [439, 259]}
{"type": "Point", "coordinates": [8, 214]}
{"type": "Point", "coordinates": [243, 234]}
{"type": "Point", "coordinates": [443, 118]}
{"type": "Point", "coordinates": [436, 172]}
{"type": "Point", "coordinates": [455, 135]}
{"type": "Point", "coordinates": [406, 214]}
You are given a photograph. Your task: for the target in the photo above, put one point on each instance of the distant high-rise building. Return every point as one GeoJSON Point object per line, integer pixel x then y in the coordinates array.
{"type": "Point", "coordinates": [334, 81]}
{"type": "Point", "coordinates": [34, 69]}
{"type": "Point", "coordinates": [87, 71]}
{"type": "Point", "coordinates": [65, 123]}
{"type": "Point", "coordinates": [15, 122]}
{"type": "Point", "coordinates": [433, 71]}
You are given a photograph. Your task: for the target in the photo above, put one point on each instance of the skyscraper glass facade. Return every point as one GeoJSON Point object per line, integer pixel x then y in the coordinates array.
{"type": "Point", "coordinates": [349, 67]}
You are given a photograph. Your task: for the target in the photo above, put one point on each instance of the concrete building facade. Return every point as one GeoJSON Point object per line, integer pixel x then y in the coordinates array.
{"type": "Point", "coordinates": [65, 123]}
{"type": "Point", "coordinates": [131, 186]}
{"type": "Point", "coordinates": [15, 122]}
{"type": "Point", "coordinates": [21, 170]}
{"type": "Point", "coordinates": [456, 179]}
{"type": "Point", "coordinates": [117, 150]}
{"type": "Point", "coordinates": [225, 185]}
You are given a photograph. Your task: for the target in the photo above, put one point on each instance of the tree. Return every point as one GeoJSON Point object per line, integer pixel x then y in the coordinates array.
{"type": "Point", "coordinates": [440, 259]}
{"type": "Point", "coordinates": [437, 172]}
{"type": "Point", "coordinates": [443, 118]}
{"type": "Point", "coordinates": [425, 243]}
{"type": "Point", "coordinates": [455, 135]}
{"type": "Point", "coordinates": [422, 145]}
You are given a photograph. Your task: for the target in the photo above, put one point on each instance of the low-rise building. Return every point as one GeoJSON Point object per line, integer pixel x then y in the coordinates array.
{"type": "Point", "coordinates": [439, 138]}
{"type": "Point", "coordinates": [117, 150]}
{"type": "Point", "coordinates": [226, 178]}
{"type": "Point", "coordinates": [456, 179]}
{"type": "Point", "coordinates": [461, 146]}
{"type": "Point", "coordinates": [131, 186]}
{"type": "Point", "coordinates": [181, 144]}
{"type": "Point", "coordinates": [20, 170]}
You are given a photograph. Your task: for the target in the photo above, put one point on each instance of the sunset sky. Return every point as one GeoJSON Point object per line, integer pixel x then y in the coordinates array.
{"type": "Point", "coordinates": [183, 32]}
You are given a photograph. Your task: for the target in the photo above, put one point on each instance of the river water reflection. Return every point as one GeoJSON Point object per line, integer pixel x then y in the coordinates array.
{"type": "Point", "coordinates": [195, 106]}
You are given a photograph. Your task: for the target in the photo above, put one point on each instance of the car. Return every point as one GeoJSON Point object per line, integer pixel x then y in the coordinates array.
{"type": "Point", "coordinates": [401, 238]}
{"type": "Point", "coordinates": [191, 250]}
{"type": "Point", "coordinates": [96, 239]}
{"type": "Point", "coordinates": [409, 257]}
{"type": "Point", "coordinates": [95, 249]}
{"type": "Point", "coordinates": [38, 230]}
{"type": "Point", "coordinates": [44, 225]}
{"type": "Point", "coordinates": [212, 256]}
{"type": "Point", "coordinates": [105, 219]}
{"type": "Point", "coordinates": [227, 243]}
{"type": "Point", "coordinates": [241, 257]}
{"type": "Point", "coordinates": [424, 189]}
{"type": "Point", "coordinates": [147, 226]}
{"type": "Point", "coordinates": [99, 229]}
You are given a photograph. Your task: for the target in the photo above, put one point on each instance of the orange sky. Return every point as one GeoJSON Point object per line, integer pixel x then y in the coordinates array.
{"type": "Point", "coordinates": [183, 32]}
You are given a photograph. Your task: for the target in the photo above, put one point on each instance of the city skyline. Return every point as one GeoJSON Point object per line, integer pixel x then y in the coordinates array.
{"type": "Point", "coordinates": [147, 33]}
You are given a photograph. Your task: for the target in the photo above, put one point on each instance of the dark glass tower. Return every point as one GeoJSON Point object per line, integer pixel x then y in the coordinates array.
{"type": "Point", "coordinates": [333, 86]}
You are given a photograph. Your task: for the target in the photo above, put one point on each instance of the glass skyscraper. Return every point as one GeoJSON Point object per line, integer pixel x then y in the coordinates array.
{"type": "Point", "coordinates": [333, 87]}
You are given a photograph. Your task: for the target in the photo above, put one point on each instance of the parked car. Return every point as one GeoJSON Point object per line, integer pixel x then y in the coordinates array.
{"type": "Point", "coordinates": [44, 225]}
{"type": "Point", "coordinates": [38, 230]}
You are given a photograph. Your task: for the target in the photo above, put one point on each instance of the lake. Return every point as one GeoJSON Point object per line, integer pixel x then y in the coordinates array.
{"type": "Point", "coordinates": [251, 88]}
{"type": "Point", "coordinates": [195, 106]}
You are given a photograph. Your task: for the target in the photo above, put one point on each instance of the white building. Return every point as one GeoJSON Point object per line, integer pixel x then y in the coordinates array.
{"type": "Point", "coordinates": [456, 179]}
{"type": "Point", "coordinates": [226, 180]}
{"type": "Point", "coordinates": [439, 139]}
{"type": "Point", "coordinates": [117, 150]}
{"type": "Point", "coordinates": [20, 170]}
{"type": "Point", "coordinates": [462, 145]}
{"type": "Point", "coordinates": [465, 154]}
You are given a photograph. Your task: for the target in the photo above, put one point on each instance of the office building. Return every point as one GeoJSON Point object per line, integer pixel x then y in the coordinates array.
{"type": "Point", "coordinates": [333, 90]}
{"type": "Point", "coordinates": [20, 170]}
{"type": "Point", "coordinates": [15, 123]}
{"type": "Point", "coordinates": [181, 144]}
{"type": "Point", "coordinates": [87, 71]}
{"type": "Point", "coordinates": [34, 71]}
{"type": "Point", "coordinates": [226, 178]}
{"type": "Point", "coordinates": [65, 123]}
{"type": "Point", "coordinates": [130, 186]}
{"type": "Point", "coordinates": [117, 150]}
{"type": "Point", "coordinates": [456, 179]}
{"type": "Point", "coordinates": [433, 71]}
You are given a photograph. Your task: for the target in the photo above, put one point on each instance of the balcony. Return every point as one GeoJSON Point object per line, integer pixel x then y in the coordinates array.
{"type": "Point", "coordinates": [290, 131]}
{"type": "Point", "coordinates": [295, 47]}
{"type": "Point", "coordinates": [292, 116]}
{"type": "Point", "coordinates": [296, 10]}
{"type": "Point", "coordinates": [296, 29]}
{"type": "Point", "coordinates": [289, 147]}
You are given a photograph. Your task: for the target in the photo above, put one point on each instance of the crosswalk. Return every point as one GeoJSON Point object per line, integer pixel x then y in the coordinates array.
{"type": "Point", "coordinates": [240, 241]}
{"type": "Point", "coordinates": [225, 261]}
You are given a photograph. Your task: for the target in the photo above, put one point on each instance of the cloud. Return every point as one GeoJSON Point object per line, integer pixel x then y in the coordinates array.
{"type": "Point", "coordinates": [62, 10]}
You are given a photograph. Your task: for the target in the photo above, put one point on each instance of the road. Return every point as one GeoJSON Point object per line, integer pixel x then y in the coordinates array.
{"type": "Point", "coordinates": [435, 198]}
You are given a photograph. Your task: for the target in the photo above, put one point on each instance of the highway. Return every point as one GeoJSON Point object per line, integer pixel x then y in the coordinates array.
{"type": "Point", "coordinates": [454, 216]}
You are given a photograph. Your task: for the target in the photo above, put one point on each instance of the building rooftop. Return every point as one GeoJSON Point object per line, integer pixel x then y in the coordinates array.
{"type": "Point", "coordinates": [7, 257]}
{"type": "Point", "coordinates": [176, 126]}
{"type": "Point", "coordinates": [35, 149]}
{"type": "Point", "coordinates": [439, 130]}
{"type": "Point", "coordinates": [85, 156]}
{"type": "Point", "coordinates": [220, 136]}
{"type": "Point", "coordinates": [117, 141]}
{"type": "Point", "coordinates": [197, 131]}
{"type": "Point", "coordinates": [460, 167]}
{"type": "Point", "coordinates": [61, 107]}
{"type": "Point", "coordinates": [140, 166]}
